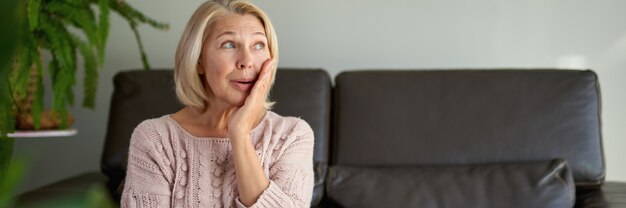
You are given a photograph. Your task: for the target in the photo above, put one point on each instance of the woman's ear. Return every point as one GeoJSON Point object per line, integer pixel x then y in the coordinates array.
{"type": "Point", "coordinates": [199, 68]}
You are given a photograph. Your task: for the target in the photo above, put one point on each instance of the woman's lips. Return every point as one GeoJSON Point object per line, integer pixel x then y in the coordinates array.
{"type": "Point", "coordinates": [243, 85]}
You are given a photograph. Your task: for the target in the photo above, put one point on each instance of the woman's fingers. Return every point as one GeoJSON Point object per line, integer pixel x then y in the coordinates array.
{"type": "Point", "coordinates": [244, 117]}
{"type": "Point", "coordinates": [261, 87]}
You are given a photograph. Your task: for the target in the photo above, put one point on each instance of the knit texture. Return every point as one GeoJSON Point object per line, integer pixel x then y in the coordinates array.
{"type": "Point", "coordinates": [169, 167]}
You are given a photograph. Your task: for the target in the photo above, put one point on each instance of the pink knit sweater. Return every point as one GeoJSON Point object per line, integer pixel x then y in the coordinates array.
{"type": "Point", "coordinates": [169, 167]}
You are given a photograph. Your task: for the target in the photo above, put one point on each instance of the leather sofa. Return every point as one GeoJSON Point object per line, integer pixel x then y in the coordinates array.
{"type": "Point", "coordinates": [412, 138]}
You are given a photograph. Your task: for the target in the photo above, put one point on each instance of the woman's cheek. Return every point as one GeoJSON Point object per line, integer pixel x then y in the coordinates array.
{"type": "Point", "coordinates": [261, 59]}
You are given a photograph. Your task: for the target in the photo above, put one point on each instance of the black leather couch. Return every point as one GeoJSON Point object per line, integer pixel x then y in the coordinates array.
{"type": "Point", "coordinates": [413, 138]}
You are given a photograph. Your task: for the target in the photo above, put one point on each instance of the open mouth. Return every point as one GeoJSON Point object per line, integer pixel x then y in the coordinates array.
{"type": "Point", "coordinates": [246, 82]}
{"type": "Point", "coordinates": [244, 85]}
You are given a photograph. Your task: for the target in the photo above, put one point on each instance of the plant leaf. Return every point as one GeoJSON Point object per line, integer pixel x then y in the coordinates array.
{"type": "Point", "coordinates": [103, 28]}
{"type": "Point", "coordinates": [33, 10]}
{"type": "Point", "coordinates": [134, 17]}
{"type": "Point", "coordinates": [12, 178]}
{"type": "Point", "coordinates": [131, 13]}
{"type": "Point", "coordinates": [142, 51]}
{"type": "Point", "coordinates": [80, 16]}
{"type": "Point", "coordinates": [90, 80]}
{"type": "Point", "coordinates": [7, 114]}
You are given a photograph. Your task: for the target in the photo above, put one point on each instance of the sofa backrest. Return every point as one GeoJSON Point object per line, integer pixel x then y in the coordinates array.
{"type": "Point", "coordinates": [307, 94]}
{"type": "Point", "coordinates": [449, 117]}
{"type": "Point", "coordinates": [138, 95]}
{"type": "Point", "coordinates": [141, 94]}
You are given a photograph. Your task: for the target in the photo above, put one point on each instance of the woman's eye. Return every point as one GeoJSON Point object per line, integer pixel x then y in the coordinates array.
{"type": "Point", "coordinates": [259, 46]}
{"type": "Point", "coordinates": [228, 45]}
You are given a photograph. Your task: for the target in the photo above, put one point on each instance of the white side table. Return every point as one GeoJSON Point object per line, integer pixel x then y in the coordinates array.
{"type": "Point", "coordinates": [43, 133]}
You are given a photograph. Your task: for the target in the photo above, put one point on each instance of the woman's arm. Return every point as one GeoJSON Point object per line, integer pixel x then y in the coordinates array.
{"type": "Point", "coordinates": [251, 180]}
{"type": "Point", "coordinates": [290, 183]}
{"type": "Point", "coordinates": [146, 183]}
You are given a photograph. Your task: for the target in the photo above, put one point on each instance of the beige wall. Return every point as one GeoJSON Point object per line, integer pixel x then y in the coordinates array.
{"type": "Point", "coordinates": [356, 34]}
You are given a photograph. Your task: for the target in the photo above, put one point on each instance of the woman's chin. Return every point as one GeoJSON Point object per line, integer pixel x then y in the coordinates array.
{"type": "Point", "coordinates": [239, 102]}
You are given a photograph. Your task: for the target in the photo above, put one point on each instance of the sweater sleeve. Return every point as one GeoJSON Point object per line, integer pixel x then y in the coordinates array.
{"type": "Point", "coordinates": [291, 176]}
{"type": "Point", "coordinates": [146, 183]}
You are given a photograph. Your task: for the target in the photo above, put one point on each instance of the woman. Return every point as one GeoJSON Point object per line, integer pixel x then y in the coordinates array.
{"type": "Point", "coordinates": [225, 148]}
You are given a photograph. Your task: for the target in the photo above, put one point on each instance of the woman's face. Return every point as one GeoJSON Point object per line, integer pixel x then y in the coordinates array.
{"type": "Point", "coordinates": [232, 56]}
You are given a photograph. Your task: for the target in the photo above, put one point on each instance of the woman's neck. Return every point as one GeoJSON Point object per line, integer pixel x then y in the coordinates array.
{"type": "Point", "coordinates": [216, 116]}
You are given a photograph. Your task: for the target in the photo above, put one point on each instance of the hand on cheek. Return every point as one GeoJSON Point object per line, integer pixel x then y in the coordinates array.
{"type": "Point", "coordinates": [243, 120]}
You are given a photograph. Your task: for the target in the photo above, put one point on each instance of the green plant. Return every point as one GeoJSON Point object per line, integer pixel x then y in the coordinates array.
{"type": "Point", "coordinates": [29, 28]}
{"type": "Point", "coordinates": [48, 28]}
{"type": "Point", "coordinates": [10, 172]}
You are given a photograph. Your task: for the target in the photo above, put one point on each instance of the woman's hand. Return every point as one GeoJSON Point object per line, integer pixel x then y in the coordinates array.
{"type": "Point", "coordinates": [251, 180]}
{"type": "Point", "coordinates": [242, 122]}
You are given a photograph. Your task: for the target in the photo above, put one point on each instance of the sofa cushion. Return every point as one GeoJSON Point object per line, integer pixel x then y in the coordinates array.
{"type": "Point", "coordinates": [527, 184]}
{"type": "Point", "coordinates": [610, 195]}
{"type": "Point", "coordinates": [455, 117]}
{"type": "Point", "coordinates": [71, 189]}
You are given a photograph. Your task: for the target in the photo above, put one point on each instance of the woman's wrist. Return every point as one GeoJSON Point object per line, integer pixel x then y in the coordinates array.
{"type": "Point", "coordinates": [239, 136]}
{"type": "Point", "coordinates": [244, 128]}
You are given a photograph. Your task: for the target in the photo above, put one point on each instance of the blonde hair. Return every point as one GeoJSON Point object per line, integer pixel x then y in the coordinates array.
{"type": "Point", "coordinates": [189, 85]}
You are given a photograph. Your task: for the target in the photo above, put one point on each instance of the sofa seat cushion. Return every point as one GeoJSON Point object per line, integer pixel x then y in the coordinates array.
{"type": "Point", "coordinates": [320, 170]}
{"type": "Point", "coordinates": [610, 195]}
{"type": "Point", "coordinates": [525, 184]}
{"type": "Point", "coordinates": [76, 191]}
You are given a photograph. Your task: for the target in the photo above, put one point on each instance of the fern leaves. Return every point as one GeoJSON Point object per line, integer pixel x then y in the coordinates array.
{"type": "Point", "coordinates": [103, 28]}
{"type": "Point", "coordinates": [135, 17]}
{"type": "Point", "coordinates": [90, 81]}
{"type": "Point", "coordinates": [51, 25]}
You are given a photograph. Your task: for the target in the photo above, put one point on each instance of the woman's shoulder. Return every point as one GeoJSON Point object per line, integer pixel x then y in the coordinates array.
{"type": "Point", "coordinates": [153, 124]}
{"type": "Point", "coordinates": [152, 128]}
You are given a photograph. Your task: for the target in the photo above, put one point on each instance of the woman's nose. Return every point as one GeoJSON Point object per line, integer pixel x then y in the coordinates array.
{"type": "Point", "coordinates": [245, 59]}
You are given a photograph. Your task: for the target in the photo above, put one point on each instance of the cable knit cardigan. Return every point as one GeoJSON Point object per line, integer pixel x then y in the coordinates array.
{"type": "Point", "coordinates": [169, 167]}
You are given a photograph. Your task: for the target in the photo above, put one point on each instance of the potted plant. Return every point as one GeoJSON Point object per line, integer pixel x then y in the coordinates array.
{"type": "Point", "coordinates": [39, 27]}
{"type": "Point", "coordinates": [47, 29]}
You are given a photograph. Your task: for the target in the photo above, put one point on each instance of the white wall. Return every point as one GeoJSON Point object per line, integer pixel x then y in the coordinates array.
{"type": "Point", "coordinates": [356, 34]}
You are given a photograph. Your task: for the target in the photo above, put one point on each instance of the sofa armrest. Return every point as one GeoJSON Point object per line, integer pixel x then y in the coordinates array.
{"type": "Point", "coordinates": [66, 190]}
{"type": "Point", "coordinates": [611, 195]}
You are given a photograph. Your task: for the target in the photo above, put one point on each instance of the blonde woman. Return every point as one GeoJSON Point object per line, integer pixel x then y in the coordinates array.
{"type": "Point", "coordinates": [225, 148]}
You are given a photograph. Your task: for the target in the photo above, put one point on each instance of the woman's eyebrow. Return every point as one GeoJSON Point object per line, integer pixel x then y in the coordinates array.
{"type": "Point", "coordinates": [233, 33]}
{"type": "Point", "coordinates": [225, 33]}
